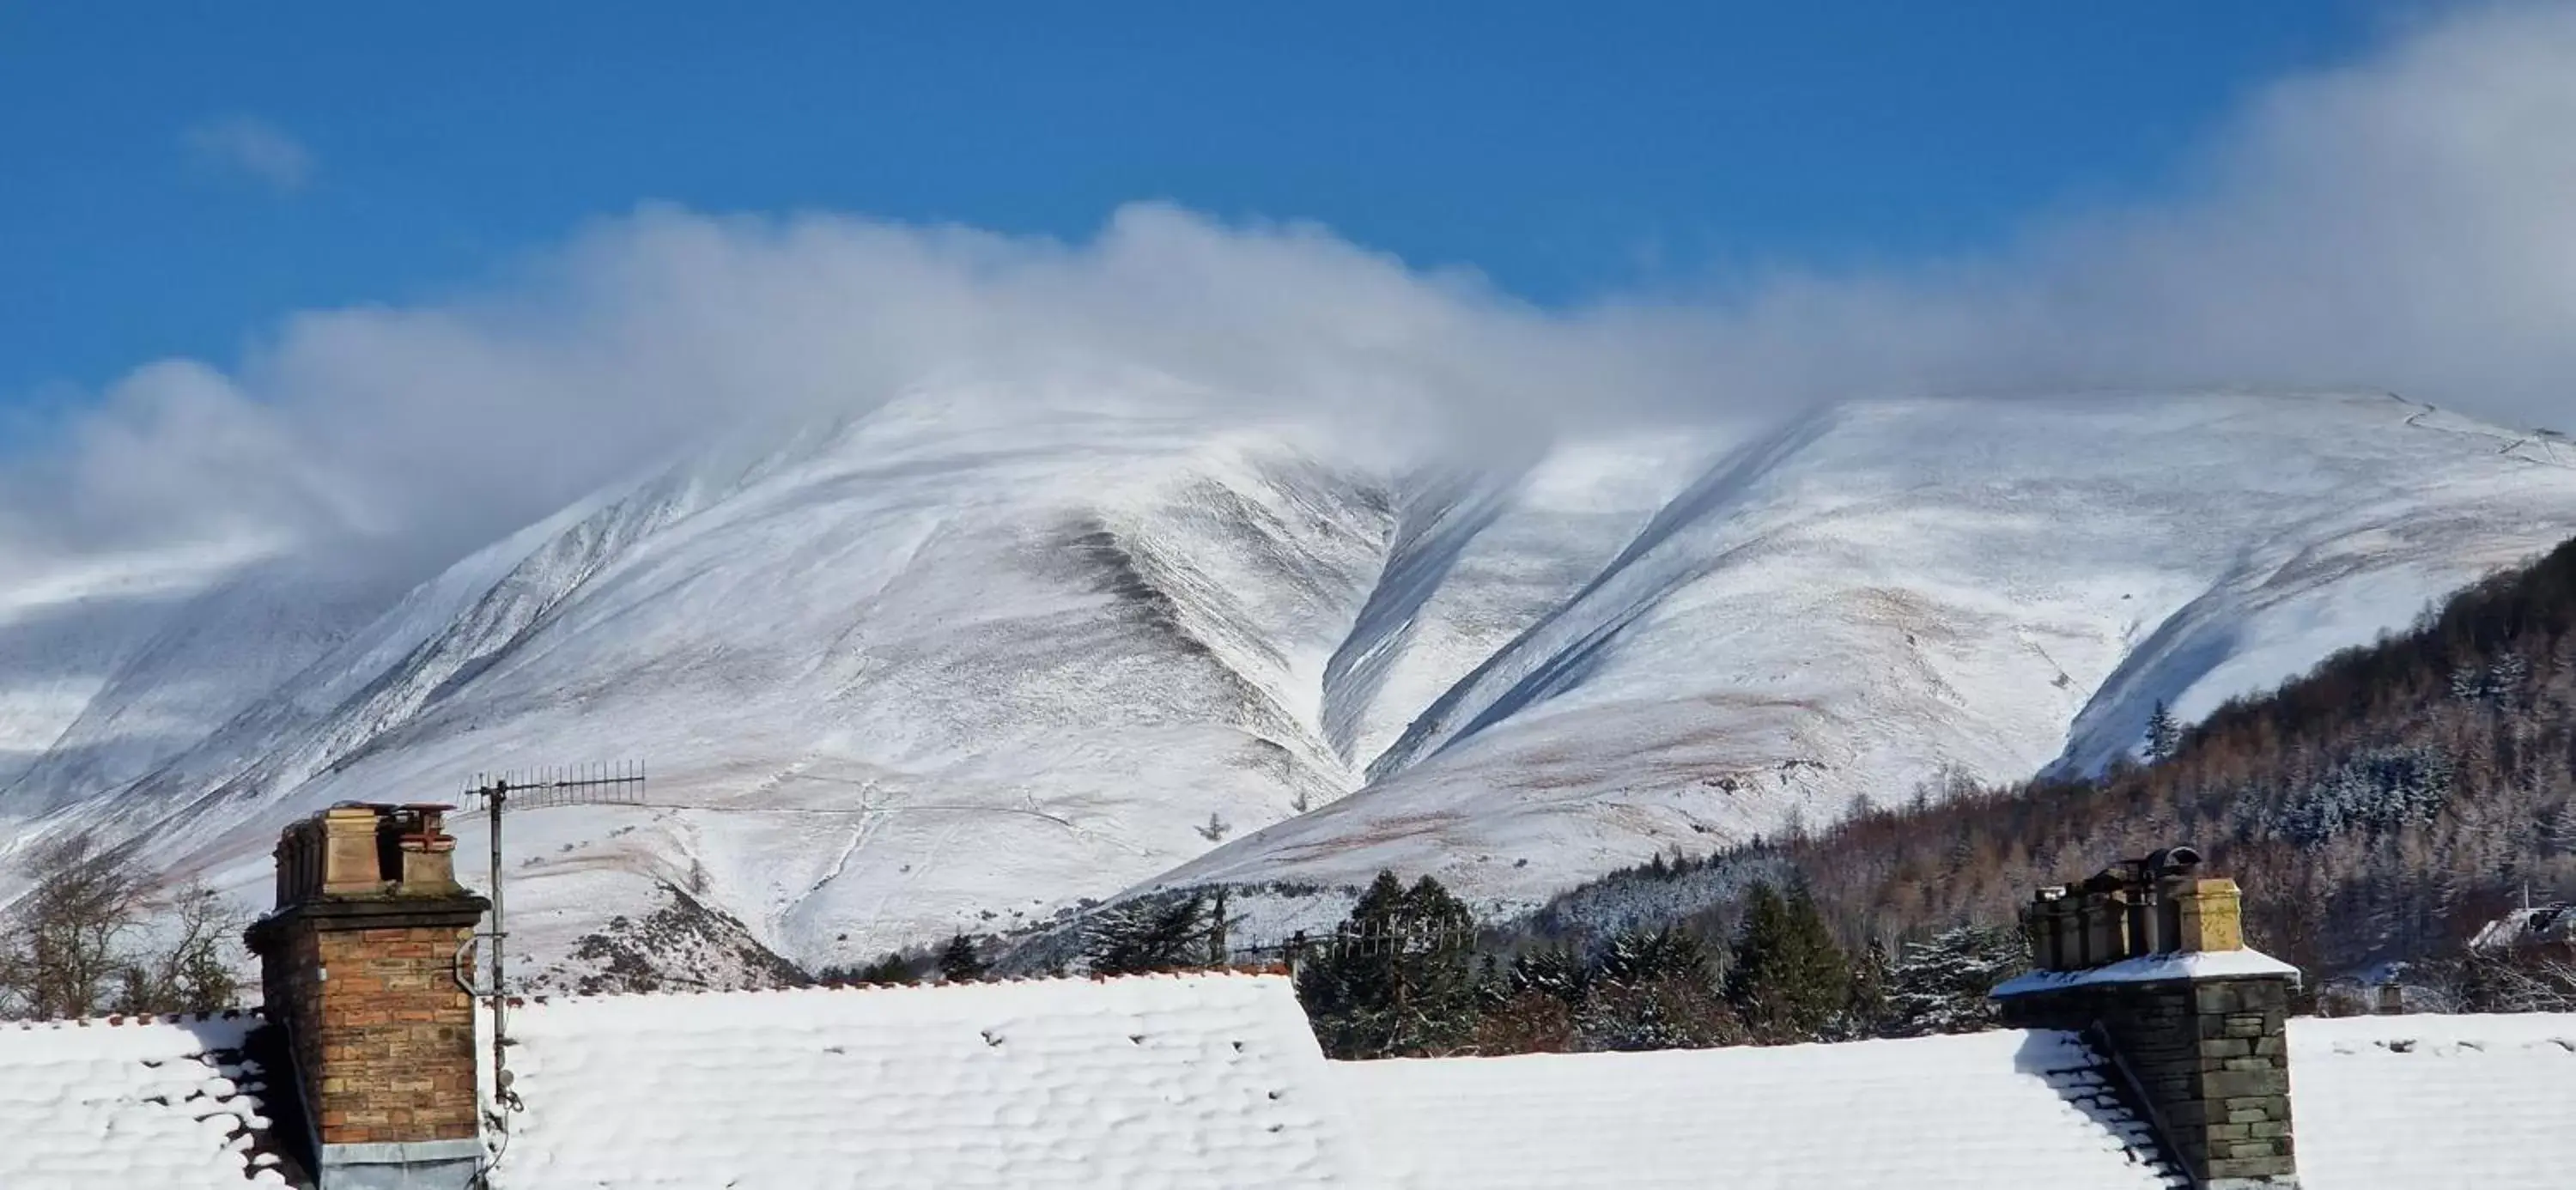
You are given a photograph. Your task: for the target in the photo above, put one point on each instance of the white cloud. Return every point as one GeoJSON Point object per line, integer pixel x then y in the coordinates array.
{"type": "Point", "coordinates": [2407, 221]}
{"type": "Point", "coordinates": [253, 148]}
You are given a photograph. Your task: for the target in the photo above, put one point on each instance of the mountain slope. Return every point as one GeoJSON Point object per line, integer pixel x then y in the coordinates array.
{"type": "Point", "coordinates": [964, 660]}
{"type": "Point", "coordinates": [1885, 592]}
{"type": "Point", "coordinates": [2386, 807]}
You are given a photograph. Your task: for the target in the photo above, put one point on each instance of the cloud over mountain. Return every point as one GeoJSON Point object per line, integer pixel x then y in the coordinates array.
{"type": "Point", "coordinates": [2401, 221]}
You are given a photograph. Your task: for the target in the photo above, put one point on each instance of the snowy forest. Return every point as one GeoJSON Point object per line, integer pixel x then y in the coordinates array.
{"type": "Point", "coordinates": [2384, 807]}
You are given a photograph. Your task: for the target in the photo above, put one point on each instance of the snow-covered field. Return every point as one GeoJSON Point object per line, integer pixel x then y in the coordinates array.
{"type": "Point", "coordinates": [963, 661]}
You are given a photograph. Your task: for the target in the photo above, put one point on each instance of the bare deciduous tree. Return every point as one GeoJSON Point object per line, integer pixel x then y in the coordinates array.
{"type": "Point", "coordinates": [190, 967]}
{"type": "Point", "coordinates": [90, 934]}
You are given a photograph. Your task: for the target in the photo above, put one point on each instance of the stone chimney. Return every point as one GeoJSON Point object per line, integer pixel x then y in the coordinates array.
{"type": "Point", "coordinates": [359, 964]}
{"type": "Point", "coordinates": [2148, 958]}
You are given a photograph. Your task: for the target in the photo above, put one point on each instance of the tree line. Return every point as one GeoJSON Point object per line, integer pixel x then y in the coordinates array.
{"type": "Point", "coordinates": [1409, 973]}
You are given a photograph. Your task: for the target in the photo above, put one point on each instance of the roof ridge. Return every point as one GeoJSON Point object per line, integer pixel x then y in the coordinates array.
{"type": "Point", "coordinates": [1242, 973]}
{"type": "Point", "coordinates": [120, 1019]}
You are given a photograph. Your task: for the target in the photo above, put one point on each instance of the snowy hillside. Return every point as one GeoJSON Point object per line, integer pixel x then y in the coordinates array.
{"type": "Point", "coordinates": [965, 660]}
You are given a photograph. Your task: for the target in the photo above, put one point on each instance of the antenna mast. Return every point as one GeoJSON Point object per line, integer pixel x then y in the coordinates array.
{"type": "Point", "coordinates": [620, 784]}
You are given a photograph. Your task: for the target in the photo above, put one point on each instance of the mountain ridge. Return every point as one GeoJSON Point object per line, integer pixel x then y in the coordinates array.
{"type": "Point", "coordinates": [929, 669]}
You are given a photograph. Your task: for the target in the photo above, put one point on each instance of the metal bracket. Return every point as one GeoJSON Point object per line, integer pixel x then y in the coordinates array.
{"type": "Point", "coordinates": [462, 971]}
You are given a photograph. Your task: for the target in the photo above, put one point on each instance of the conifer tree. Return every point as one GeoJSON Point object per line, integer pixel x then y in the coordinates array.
{"type": "Point", "coordinates": [1671, 1012]}
{"type": "Point", "coordinates": [958, 962]}
{"type": "Point", "coordinates": [890, 967]}
{"type": "Point", "coordinates": [1146, 935]}
{"type": "Point", "coordinates": [1399, 977]}
{"type": "Point", "coordinates": [1650, 989]}
{"type": "Point", "coordinates": [1220, 949]}
{"type": "Point", "coordinates": [1872, 979]}
{"type": "Point", "coordinates": [2505, 681]}
{"type": "Point", "coordinates": [2164, 735]}
{"type": "Point", "coordinates": [1940, 984]}
{"type": "Point", "coordinates": [1547, 970]}
{"type": "Point", "coordinates": [1638, 955]}
{"type": "Point", "coordinates": [1787, 979]}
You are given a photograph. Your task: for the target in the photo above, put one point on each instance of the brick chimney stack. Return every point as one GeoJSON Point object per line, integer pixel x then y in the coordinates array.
{"type": "Point", "coordinates": [359, 964]}
{"type": "Point", "coordinates": [2148, 959]}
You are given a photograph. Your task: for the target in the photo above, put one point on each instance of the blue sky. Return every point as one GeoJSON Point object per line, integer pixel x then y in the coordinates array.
{"type": "Point", "coordinates": [176, 181]}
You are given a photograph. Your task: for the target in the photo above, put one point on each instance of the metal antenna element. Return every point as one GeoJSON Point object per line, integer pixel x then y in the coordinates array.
{"type": "Point", "coordinates": [619, 784]}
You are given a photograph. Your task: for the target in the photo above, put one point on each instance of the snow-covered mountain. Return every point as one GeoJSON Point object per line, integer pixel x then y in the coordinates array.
{"type": "Point", "coordinates": [964, 660]}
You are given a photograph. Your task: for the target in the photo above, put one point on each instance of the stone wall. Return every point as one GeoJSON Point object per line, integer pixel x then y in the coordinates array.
{"type": "Point", "coordinates": [2208, 1056]}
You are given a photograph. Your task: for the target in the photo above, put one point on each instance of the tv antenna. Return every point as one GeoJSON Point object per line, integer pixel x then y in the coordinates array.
{"type": "Point", "coordinates": [617, 784]}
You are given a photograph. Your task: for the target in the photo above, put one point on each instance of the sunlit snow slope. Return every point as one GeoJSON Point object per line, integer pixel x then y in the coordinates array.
{"type": "Point", "coordinates": [966, 659]}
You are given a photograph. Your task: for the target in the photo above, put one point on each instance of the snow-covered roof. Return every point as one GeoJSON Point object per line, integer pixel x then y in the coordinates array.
{"type": "Point", "coordinates": [1982, 1110]}
{"type": "Point", "coordinates": [2381, 1103]}
{"type": "Point", "coordinates": [167, 1103]}
{"type": "Point", "coordinates": [1179, 1081]}
{"type": "Point", "coordinates": [2427, 1102]}
{"type": "Point", "coordinates": [1213, 1080]}
{"type": "Point", "coordinates": [2545, 923]}
{"type": "Point", "coordinates": [2190, 964]}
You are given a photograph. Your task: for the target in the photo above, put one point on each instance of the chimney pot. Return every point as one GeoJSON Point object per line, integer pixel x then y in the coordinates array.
{"type": "Point", "coordinates": [2209, 915]}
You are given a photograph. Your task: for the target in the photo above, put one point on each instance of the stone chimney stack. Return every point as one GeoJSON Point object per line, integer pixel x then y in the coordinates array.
{"type": "Point", "coordinates": [2148, 959]}
{"type": "Point", "coordinates": [359, 964]}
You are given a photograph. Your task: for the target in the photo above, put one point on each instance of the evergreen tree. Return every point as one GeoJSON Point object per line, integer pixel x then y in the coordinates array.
{"type": "Point", "coordinates": [1649, 990]}
{"type": "Point", "coordinates": [1143, 935]}
{"type": "Point", "coordinates": [2378, 790]}
{"type": "Point", "coordinates": [1220, 950]}
{"type": "Point", "coordinates": [1638, 956]}
{"type": "Point", "coordinates": [1873, 976]}
{"type": "Point", "coordinates": [2164, 735]}
{"type": "Point", "coordinates": [2505, 681]}
{"type": "Point", "coordinates": [1398, 978]}
{"type": "Point", "coordinates": [1664, 1013]}
{"type": "Point", "coordinates": [1940, 985]}
{"type": "Point", "coordinates": [958, 962]}
{"type": "Point", "coordinates": [891, 967]}
{"type": "Point", "coordinates": [1547, 970]}
{"type": "Point", "coordinates": [1787, 979]}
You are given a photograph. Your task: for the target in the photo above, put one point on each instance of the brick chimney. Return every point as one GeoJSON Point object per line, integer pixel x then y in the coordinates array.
{"type": "Point", "coordinates": [2148, 958]}
{"type": "Point", "coordinates": [359, 964]}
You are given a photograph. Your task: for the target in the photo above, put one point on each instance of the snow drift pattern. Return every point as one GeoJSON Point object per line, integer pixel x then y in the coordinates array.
{"type": "Point", "coordinates": [1203, 1080]}
{"type": "Point", "coordinates": [87, 1105]}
